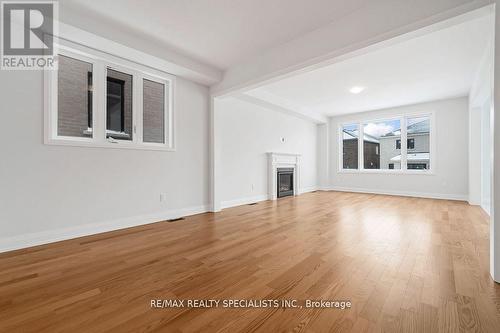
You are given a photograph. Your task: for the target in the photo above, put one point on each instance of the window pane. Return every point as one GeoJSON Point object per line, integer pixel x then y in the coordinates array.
{"type": "Point", "coordinates": [350, 135]}
{"type": "Point", "coordinates": [74, 98]}
{"type": "Point", "coordinates": [382, 145]}
{"type": "Point", "coordinates": [118, 105]}
{"type": "Point", "coordinates": [153, 112]}
{"type": "Point", "coordinates": [418, 157]}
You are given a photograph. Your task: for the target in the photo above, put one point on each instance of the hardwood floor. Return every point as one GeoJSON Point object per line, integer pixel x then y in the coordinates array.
{"type": "Point", "coordinates": [406, 264]}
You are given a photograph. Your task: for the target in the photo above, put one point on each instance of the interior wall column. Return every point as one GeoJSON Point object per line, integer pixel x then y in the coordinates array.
{"type": "Point", "coordinates": [214, 158]}
{"type": "Point", "coordinates": [495, 188]}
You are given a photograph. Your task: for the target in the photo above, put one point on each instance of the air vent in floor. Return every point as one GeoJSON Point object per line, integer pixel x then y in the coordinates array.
{"type": "Point", "coordinates": [175, 220]}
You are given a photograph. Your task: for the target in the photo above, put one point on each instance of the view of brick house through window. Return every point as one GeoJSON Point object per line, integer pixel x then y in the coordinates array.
{"type": "Point", "coordinates": [350, 135]}
{"type": "Point", "coordinates": [74, 115]}
{"type": "Point", "coordinates": [382, 144]}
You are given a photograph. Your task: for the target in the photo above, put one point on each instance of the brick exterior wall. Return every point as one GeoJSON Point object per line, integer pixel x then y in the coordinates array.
{"type": "Point", "coordinates": [72, 100]}
{"type": "Point", "coordinates": [350, 154]}
{"type": "Point", "coordinates": [371, 155]}
{"type": "Point", "coordinates": [350, 151]}
{"type": "Point", "coordinates": [153, 111]}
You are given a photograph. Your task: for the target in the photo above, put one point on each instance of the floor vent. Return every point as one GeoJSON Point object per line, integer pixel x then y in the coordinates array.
{"type": "Point", "coordinates": [252, 204]}
{"type": "Point", "coordinates": [175, 220]}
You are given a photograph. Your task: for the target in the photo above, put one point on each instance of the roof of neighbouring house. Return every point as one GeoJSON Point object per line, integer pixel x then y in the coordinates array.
{"type": "Point", "coordinates": [412, 157]}
{"type": "Point", "coordinates": [421, 126]}
{"type": "Point", "coordinates": [348, 135]}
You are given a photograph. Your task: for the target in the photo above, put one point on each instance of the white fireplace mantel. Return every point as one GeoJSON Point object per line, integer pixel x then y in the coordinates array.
{"type": "Point", "coordinates": [282, 160]}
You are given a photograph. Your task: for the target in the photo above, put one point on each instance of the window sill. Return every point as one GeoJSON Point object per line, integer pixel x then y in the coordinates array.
{"type": "Point", "coordinates": [109, 134]}
{"type": "Point", "coordinates": [88, 143]}
{"type": "Point", "coordinates": [388, 172]}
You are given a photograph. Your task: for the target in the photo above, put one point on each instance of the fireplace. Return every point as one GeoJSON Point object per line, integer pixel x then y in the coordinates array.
{"type": "Point", "coordinates": [285, 182]}
{"type": "Point", "coordinates": [289, 165]}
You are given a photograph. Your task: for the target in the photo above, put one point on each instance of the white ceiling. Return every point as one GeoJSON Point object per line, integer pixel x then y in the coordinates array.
{"type": "Point", "coordinates": [220, 33]}
{"type": "Point", "coordinates": [438, 65]}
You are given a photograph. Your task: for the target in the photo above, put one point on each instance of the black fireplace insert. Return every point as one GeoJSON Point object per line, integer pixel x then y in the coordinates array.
{"type": "Point", "coordinates": [285, 182]}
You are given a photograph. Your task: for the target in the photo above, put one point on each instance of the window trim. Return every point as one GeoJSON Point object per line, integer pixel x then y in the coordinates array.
{"type": "Point", "coordinates": [403, 117]}
{"type": "Point", "coordinates": [100, 63]}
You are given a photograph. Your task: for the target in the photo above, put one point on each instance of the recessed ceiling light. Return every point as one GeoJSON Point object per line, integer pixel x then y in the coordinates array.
{"type": "Point", "coordinates": [356, 90]}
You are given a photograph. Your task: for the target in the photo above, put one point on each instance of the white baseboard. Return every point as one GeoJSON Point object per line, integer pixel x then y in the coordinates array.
{"type": "Point", "coordinates": [308, 189]}
{"type": "Point", "coordinates": [458, 197]}
{"type": "Point", "coordinates": [486, 208]}
{"type": "Point", "coordinates": [50, 236]}
{"type": "Point", "coordinates": [258, 198]}
{"type": "Point", "coordinates": [243, 201]}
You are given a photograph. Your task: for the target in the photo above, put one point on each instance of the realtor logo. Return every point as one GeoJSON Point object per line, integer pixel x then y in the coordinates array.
{"type": "Point", "coordinates": [28, 30]}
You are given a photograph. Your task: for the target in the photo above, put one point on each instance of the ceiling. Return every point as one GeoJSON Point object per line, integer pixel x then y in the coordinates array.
{"type": "Point", "coordinates": [220, 33]}
{"type": "Point", "coordinates": [438, 65]}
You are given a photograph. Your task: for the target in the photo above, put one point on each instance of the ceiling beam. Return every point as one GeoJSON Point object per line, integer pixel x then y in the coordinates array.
{"type": "Point", "coordinates": [305, 115]}
{"type": "Point", "coordinates": [379, 24]}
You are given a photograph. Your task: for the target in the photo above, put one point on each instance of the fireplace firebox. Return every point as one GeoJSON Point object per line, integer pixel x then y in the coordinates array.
{"type": "Point", "coordinates": [285, 182]}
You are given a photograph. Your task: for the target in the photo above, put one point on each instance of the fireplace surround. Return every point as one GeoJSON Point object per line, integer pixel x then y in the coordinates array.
{"type": "Point", "coordinates": [283, 161]}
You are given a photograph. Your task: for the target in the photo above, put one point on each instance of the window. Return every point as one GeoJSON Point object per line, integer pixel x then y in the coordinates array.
{"type": "Point", "coordinates": [118, 105]}
{"type": "Point", "coordinates": [380, 137]}
{"type": "Point", "coordinates": [350, 146]}
{"type": "Point", "coordinates": [74, 100]}
{"type": "Point", "coordinates": [417, 166]}
{"type": "Point", "coordinates": [95, 99]}
{"type": "Point", "coordinates": [381, 149]}
{"type": "Point", "coordinates": [418, 130]}
{"type": "Point", "coordinates": [154, 111]}
{"type": "Point", "coordinates": [410, 144]}
{"type": "Point", "coordinates": [89, 99]}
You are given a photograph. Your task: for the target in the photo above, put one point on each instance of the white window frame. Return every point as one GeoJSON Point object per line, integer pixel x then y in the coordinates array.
{"type": "Point", "coordinates": [360, 122]}
{"type": "Point", "coordinates": [100, 63]}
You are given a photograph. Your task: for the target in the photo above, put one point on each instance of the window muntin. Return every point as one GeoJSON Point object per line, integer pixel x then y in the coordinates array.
{"type": "Point", "coordinates": [74, 99]}
{"type": "Point", "coordinates": [379, 142]}
{"type": "Point", "coordinates": [350, 146]}
{"type": "Point", "coordinates": [96, 131]}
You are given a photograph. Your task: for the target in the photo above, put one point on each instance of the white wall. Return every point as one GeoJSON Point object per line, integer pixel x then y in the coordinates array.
{"type": "Point", "coordinates": [495, 151]}
{"type": "Point", "coordinates": [323, 151]}
{"type": "Point", "coordinates": [474, 155]}
{"type": "Point", "coordinates": [53, 192]}
{"type": "Point", "coordinates": [245, 132]}
{"type": "Point", "coordinates": [486, 158]}
{"type": "Point", "coordinates": [480, 155]}
{"type": "Point", "coordinates": [450, 178]}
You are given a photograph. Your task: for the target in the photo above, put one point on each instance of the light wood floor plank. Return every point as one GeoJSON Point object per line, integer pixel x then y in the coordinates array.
{"type": "Point", "coordinates": [406, 264]}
